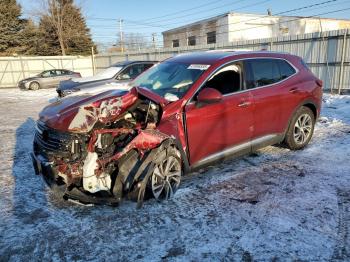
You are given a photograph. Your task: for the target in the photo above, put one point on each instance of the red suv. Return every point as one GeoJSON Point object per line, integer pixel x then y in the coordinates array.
{"type": "Point", "coordinates": [186, 112]}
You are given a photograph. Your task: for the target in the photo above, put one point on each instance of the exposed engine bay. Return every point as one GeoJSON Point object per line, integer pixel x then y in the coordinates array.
{"type": "Point", "coordinates": [107, 152]}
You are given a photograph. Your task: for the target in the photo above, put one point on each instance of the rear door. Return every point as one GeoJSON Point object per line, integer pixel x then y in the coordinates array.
{"type": "Point", "coordinates": [265, 83]}
{"type": "Point", "coordinates": [215, 129]}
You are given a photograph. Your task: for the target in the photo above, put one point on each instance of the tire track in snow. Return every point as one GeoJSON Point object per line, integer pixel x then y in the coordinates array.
{"type": "Point", "coordinates": [342, 248]}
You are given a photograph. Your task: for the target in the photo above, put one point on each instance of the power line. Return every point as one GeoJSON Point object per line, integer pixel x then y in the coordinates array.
{"type": "Point", "coordinates": [142, 23]}
{"type": "Point", "coordinates": [260, 17]}
{"type": "Point", "coordinates": [280, 13]}
{"type": "Point", "coordinates": [285, 21]}
{"type": "Point", "coordinates": [287, 11]}
{"type": "Point", "coordinates": [291, 20]}
{"type": "Point", "coordinates": [203, 11]}
{"type": "Point", "coordinates": [184, 10]}
{"type": "Point", "coordinates": [207, 17]}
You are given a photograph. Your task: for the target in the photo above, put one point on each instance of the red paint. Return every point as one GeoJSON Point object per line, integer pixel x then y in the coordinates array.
{"type": "Point", "coordinates": [145, 140]}
{"type": "Point", "coordinates": [231, 120]}
{"type": "Point", "coordinates": [208, 95]}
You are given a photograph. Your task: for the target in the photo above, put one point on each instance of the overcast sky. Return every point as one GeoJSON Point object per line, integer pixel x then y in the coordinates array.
{"type": "Point", "coordinates": [155, 16]}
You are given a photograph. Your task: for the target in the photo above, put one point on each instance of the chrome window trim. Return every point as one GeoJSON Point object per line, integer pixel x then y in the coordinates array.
{"type": "Point", "coordinates": [191, 101]}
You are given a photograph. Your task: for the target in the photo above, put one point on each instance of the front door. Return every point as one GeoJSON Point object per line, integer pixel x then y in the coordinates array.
{"type": "Point", "coordinates": [49, 78]}
{"type": "Point", "coordinates": [214, 129]}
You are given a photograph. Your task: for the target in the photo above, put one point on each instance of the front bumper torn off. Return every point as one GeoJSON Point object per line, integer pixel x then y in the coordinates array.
{"type": "Point", "coordinates": [45, 169]}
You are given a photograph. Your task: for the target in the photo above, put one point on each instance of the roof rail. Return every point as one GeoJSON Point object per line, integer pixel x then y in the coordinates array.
{"type": "Point", "coordinates": [229, 50]}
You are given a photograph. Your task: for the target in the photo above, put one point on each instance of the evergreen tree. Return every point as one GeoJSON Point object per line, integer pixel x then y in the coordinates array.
{"type": "Point", "coordinates": [11, 26]}
{"type": "Point", "coordinates": [49, 44]}
{"type": "Point", "coordinates": [31, 39]}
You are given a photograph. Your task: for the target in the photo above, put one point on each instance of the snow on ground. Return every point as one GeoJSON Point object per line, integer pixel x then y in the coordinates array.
{"type": "Point", "coordinates": [275, 205]}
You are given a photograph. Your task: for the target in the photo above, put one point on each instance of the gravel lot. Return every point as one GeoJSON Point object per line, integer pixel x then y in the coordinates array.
{"type": "Point", "coordinates": [275, 205]}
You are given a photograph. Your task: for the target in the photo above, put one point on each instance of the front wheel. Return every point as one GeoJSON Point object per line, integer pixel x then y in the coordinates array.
{"type": "Point", "coordinates": [301, 129]}
{"type": "Point", "coordinates": [166, 177]}
{"type": "Point", "coordinates": [34, 86]}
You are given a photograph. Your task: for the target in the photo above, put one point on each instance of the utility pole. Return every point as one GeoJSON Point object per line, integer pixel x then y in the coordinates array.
{"type": "Point", "coordinates": [93, 60]}
{"type": "Point", "coordinates": [121, 35]}
{"type": "Point", "coordinates": [154, 40]}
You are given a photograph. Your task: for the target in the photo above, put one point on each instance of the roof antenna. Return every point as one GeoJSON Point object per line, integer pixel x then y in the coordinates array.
{"type": "Point", "coordinates": [269, 12]}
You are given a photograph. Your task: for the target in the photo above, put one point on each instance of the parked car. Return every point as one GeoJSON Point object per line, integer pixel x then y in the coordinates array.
{"type": "Point", "coordinates": [98, 88]}
{"type": "Point", "coordinates": [47, 79]}
{"type": "Point", "coordinates": [184, 113]}
{"type": "Point", "coordinates": [122, 72]}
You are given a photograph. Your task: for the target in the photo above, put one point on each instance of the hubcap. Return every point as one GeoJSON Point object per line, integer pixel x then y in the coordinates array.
{"type": "Point", "coordinates": [35, 86]}
{"type": "Point", "coordinates": [302, 129]}
{"type": "Point", "coordinates": [166, 178]}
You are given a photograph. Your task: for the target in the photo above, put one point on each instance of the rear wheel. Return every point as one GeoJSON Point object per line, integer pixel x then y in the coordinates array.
{"type": "Point", "coordinates": [34, 86]}
{"type": "Point", "coordinates": [301, 129]}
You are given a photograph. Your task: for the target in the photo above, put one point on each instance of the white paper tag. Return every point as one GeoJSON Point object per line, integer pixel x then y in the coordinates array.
{"type": "Point", "coordinates": [199, 67]}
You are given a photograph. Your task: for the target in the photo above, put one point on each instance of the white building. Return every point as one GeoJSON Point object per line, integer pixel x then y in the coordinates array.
{"type": "Point", "coordinates": [231, 27]}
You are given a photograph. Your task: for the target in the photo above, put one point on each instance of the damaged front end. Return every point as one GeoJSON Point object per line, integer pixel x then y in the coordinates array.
{"type": "Point", "coordinates": [104, 149]}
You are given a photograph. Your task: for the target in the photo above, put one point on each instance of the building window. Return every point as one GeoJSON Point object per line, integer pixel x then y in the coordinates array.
{"type": "Point", "coordinates": [284, 30]}
{"type": "Point", "coordinates": [176, 43]}
{"type": "Point", "coordinates": [191, 40]}
{"type": "Point", "coordinates": [211, 37]}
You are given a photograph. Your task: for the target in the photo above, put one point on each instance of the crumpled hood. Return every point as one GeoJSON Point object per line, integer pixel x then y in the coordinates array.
{"type": "Point", "coordinates": [79, 114]}
{"type": "Point", "coordinates": [61, 113]}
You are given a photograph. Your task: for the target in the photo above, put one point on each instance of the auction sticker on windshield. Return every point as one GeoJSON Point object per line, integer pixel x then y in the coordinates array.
{"type": "Point", "coordinates": [199, 67]}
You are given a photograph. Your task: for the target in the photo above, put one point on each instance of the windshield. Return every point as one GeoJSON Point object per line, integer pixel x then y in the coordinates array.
{"type": "Point", "coordinates": [170, 80]}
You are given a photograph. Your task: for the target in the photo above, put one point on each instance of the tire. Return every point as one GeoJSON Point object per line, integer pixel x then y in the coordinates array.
{"type": "Point", "coordinates": [165, 178]}
{"type": "Point", "coordinates": [34, 86]}
{"type": "Point", "coordinates": [301, 129]}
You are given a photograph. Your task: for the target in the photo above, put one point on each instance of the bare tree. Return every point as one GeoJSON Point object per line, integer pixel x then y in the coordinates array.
{"type": "Point", "coordinates": [56, 11]}
{"type": "Point", "coordinates": [69, 26]}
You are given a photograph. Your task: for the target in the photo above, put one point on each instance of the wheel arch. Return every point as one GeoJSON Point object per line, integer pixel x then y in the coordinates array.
{"type": "Point", "coordinates": [306, 103]}
{"type": "Point", "coordinates": [312, 107]}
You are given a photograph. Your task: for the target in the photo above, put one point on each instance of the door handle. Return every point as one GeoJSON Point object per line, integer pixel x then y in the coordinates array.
{"type": "Point", "coordinates": [294, 90]}
{"type": "Point", "coordinates": [244, 104]}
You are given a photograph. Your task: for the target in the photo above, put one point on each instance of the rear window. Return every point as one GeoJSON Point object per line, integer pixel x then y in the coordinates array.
{"type": "Point", "coordinates": [262, 72]}
{"type": "Point", "coordinates": [286, 70]}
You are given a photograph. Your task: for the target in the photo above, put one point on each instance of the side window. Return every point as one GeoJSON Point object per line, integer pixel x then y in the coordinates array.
{"type": "Point", "coordinates": [146, 66]}
{"type": "Point", "coordinates": [65, 72]}
{"type": "Point", "coordinates": [227, 80]}
{"type": "Point", "coordinates": [131, 72]}
{"type": "Point", "coordinates": [46, 74]}
{"type": "Point", "coordinates": [59, 72]}
{"type": "Point", "coordinates": [262, 72]}
{"type": "Point", "coordinates": [286, 70]}
{"type": "Point", "coordinates": [53, 73]}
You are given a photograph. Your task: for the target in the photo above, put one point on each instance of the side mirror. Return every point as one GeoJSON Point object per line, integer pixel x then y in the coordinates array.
{"type": "Point", "coordinates": [209, 95]}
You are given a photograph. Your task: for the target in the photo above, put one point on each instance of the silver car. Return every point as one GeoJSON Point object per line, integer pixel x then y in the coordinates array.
{"type": "Point", "coordinates": [47, 79]}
